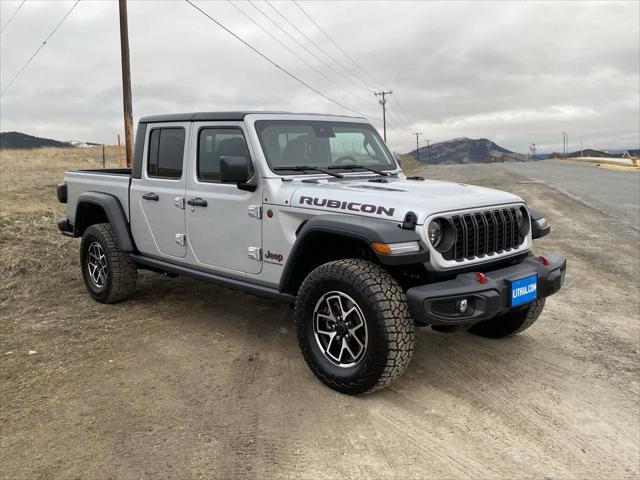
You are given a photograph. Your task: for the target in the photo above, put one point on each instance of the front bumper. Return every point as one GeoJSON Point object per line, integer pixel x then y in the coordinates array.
{"type": "Point", "coordinates": [437, 303]}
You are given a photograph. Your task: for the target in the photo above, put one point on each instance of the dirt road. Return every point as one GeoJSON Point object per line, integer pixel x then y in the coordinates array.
{"type": "Point", "coordinates": [614, 191]}
{"type": "Point", "coordinates": [189, 380]}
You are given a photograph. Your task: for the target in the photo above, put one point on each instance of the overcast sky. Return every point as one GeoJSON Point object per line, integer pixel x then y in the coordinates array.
{"type": "Point", "coordinates": [513, 72]}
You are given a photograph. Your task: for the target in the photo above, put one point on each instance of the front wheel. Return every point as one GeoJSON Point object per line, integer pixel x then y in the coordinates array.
{"type": "Point", "coordinates": [353, 326]}
{"type": "Point", "coordinates": [509, 323]}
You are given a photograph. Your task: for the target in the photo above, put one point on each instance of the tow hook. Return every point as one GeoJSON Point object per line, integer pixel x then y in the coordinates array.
{"type": "Point", "coordinates": [482, 278]}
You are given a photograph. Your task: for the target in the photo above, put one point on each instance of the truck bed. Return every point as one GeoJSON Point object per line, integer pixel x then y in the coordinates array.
{"type": "Point", "coordinates": [107, 171]}
{"type": "Point", "coordinates": [114, 181]}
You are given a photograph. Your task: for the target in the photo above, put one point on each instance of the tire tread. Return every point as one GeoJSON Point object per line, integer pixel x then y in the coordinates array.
{"type": "Point", "coordinates": [122, 271]}
{"type": "Point", "coordinates": [387, 298]}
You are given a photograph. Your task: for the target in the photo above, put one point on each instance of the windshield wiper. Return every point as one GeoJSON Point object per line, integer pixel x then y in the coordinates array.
{"type": "Point", "coordinates": [302, 168]}
{"type": "Point", "coordinates": [353, 167]}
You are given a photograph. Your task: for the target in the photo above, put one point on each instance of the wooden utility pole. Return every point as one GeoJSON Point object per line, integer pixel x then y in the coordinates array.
{"type": "Point", "coordinates": [119, 153]}
{"type": "Point", "coordinates": [126, 82]}
{"type": "Point", "coordinates": [428, 151]}
{"type": "Point", "coordinates": [417, 134]}
{"type": "Point", "coordinates": [383, 102]}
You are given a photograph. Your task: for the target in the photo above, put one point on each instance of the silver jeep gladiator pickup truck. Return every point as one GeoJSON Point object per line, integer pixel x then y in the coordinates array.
{"type": "Point", "coordinates": [313, 210]}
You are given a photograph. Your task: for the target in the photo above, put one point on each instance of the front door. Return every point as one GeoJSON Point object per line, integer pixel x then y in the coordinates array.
{"type": "Point", "coordinates": [221, 229]}
{"type": "Point", "coordinates": [157, 198]}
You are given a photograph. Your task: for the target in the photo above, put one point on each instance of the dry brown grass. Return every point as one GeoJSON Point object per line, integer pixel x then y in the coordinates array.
{"type": "Point", "coordinates": [29, 240]}
{"type": "Point", "coordinates": [189, 380]}
{"type": "Point", "coordinates": [28, 177]}
{"type": "Point", "coordinates": [410, 164]}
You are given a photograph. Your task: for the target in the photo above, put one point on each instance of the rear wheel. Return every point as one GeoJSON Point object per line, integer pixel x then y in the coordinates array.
{"type": "Point", "coordinates": [109, 274]}
{"type": "Point", "coordinates": [510, 323]}
{"type": "Point", "coordinates": [353, 326]}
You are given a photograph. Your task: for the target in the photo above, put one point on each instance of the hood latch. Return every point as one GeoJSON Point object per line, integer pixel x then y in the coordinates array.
{"type": "Point", "coordinates": [410, 221]}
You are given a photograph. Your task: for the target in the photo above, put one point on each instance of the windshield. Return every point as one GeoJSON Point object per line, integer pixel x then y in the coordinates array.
{"type": "Point", "coordinates": [336, 146]}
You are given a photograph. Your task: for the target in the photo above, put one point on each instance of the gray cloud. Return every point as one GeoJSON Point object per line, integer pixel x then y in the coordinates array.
{"type": "Point", "coordinates": [510, 71]}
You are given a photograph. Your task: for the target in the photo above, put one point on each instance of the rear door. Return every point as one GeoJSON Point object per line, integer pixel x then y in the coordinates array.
{"type": "Point", "coordinates": [157, 198]}
{"type": "Point", "coordinates": [224, 226]}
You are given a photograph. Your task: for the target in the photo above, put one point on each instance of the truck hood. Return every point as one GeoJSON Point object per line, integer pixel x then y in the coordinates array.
{"type": "Point", "coordinates": [391, 198]}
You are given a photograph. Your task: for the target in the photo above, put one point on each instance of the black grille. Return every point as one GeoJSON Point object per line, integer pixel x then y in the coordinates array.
{"type": "Point", "coordinates": [484, 233]}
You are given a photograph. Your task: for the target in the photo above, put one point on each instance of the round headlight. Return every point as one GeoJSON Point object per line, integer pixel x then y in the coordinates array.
{"type": "Point", "coordinates": [435, 233]}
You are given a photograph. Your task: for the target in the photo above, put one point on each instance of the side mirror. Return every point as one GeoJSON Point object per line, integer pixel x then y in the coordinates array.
{"type": "Point", "coordinates": [236, 170]}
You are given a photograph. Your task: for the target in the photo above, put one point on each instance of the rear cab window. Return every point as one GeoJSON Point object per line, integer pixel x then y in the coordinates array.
{"type": "Point", "coordinates": [166, 153]}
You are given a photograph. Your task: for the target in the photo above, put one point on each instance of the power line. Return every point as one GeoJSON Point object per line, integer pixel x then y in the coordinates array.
{"type": "Point", "coordinates": [404, 118]}
{"type": "Point", "coordinates": [272, 62]}
{"type": "Point", "coordinates": [393, 107]}
{"type": "Point", "coordinates": [39, 48]}
{"type": "Point", "coordinates": [401, 107]}
{"type": "Point", "coordinates": [390, 127]}
{"type": "Point", "coordinates": [314, 55]}
{"type": "Point", "coordinates": [310, 40]}
{"type": "Point", "coordinates": [283, 45]}
{"type": "Point", "coordinates": [336, 45]}
{"type": "Point", "coordinates": [12, 17]}
{"type": "Point", "coordinates": [307, 50]}
{"type": "Point", "coordinates": [297, 42]}
{"type": "Point", "coordinates": [391, 118]}
{"type": "Point", "coordinates": [290, 50]}
{"type": "Point", "coordinates": [397, 102]}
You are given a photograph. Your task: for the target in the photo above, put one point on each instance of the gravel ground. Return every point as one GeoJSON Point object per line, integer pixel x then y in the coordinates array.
{"type": "Point", "coordinates": [189, 380]}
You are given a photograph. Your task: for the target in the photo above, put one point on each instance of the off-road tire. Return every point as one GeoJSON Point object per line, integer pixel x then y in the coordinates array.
{"type": "Point", "coordinates": [391, 330]}
{"type": "Point", "coordinates": [121, 271]}
{"type": "Point", "coordinates": [509, 323]}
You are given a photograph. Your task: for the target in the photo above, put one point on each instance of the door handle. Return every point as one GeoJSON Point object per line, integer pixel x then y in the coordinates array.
{"type": "Point", "coordinates": [197, 202]}
{"type": "Point", "coordinates": [151, 196]}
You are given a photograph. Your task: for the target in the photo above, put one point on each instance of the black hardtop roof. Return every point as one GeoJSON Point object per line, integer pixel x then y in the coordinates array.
{"type": "Point", "coordinates": [214, 116]}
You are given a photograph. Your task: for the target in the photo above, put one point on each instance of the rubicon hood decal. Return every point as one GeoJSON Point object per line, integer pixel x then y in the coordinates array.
{"type": "Point", "coordinates": [423, 198]}
{"type": "Point", "coordinates": [352, 206]}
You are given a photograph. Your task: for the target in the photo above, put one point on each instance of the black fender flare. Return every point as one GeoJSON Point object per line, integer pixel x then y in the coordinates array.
{"type": "Point", "coordinates": [364, 229]}
{"type": "Point", "coordinates": [112, 207]}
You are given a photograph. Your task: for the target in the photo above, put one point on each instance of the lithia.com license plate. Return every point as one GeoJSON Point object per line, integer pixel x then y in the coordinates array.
{"type": "Point", "coordinates": [524, 290]}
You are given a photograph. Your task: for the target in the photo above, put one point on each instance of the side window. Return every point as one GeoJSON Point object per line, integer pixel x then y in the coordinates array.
{"type": "Point", "coordinates": [166, 152]}
{"type": "Point", "coordinates": [214, 143]}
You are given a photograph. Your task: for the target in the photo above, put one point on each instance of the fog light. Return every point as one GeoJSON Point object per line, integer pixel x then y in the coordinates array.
{"type": "Point", "coordinates": [462, 305]}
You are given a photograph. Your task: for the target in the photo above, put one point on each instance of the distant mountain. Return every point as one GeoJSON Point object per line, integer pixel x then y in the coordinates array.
{"type": "Point", "coordinates": [632, 152]}
{"type": "Point", "coordinates": [467, 150]}
{"type": "Point", "coordinates": [589, 152]}
{"type": "Point", "coordinates": [23, 141]}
